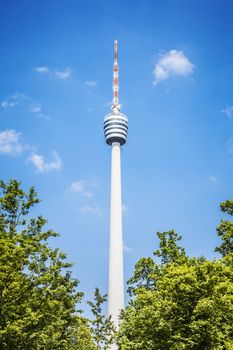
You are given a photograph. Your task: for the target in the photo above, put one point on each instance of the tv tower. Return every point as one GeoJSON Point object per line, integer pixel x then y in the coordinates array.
{"type": "Point", "coordinates": [115, 131]}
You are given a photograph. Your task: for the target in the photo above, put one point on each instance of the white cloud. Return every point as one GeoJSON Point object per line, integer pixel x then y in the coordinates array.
{"type": "Point", "coordinates": [21, 100]}
{"type": "Point", "coordinates": [213, 178]}
{"type": "Point", "coordinates": [10, 142]}
{"type": "Point", "coordinates": [108, 104]}
{"type": "Point", "coordinates": [81, 187]}
{"type": "Point", "coordinates": [16, 99]}
{"type": "Point", "coordinates": [90, 83]}
{"type": "Point", "coordinates": [59, 74]}
{"type": "Point", "coordinates": [127, 248]}
{"type": "Point", "coordinates": [41, 166]}
{"type": "Point", "coordinates": [44, 116]}
{"type": "Point", "coordinates": [7, 104]}
{"type": "Point", "coordinates": [228, 111]}
{"type": "Point", "coordinates": [78, 186]}
{"type": "Point", "coordinates": [65, 74]}
{"type": "Point", "coordinates": [171, 63]}
{"type": "Point", "coordinates": [88, 209]}
{"type": "Point", "coordinates": [84, 190]}
{"type": "Point", "coordinates": [42, 70]}
{"type": "Point", "coordinates": [36, 108]}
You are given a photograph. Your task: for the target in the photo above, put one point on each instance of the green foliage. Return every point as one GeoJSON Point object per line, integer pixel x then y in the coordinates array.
{"type": "Point", "coordinates": [225, 230]}
{"type": "Point", "coordinates": [169, 250]}
{"type": "Point", "coordinates": [181, 302]}
{"type": "Point", "coordinates": [146, 271]}
{"type": "Point", "coordinates": [177, 302]}
{"type": "Point", "coordinates": [38, 295]}
{"type": "Point", "coordinates": [84, 339]}
{"type": "Point", "coordinates": [101, 326]}
{"type": "Point", "coordinates": [143, 276]}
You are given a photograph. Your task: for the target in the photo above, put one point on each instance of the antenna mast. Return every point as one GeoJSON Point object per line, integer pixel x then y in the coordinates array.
{"type": "Point", "coordinates": [116, 106]}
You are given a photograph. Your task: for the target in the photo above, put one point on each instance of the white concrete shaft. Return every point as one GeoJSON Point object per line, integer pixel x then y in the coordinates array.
{"type": "Point", "coordinates": [116, 274]}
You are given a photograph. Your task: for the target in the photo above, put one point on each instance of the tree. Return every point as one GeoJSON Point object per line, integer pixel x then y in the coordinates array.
{"type": "Point", "coordinates": [180, 302]}
{"type": "Point", "coordinates": [84, 339]}
{"type": "Point", "coordinates": [101, 326]}
{"type": "Point", "coordinates": [38, 295]}
{"type": "Point", "coordinates": [225, 230]}
{"type": "Point", "coordinates": [146, 270]}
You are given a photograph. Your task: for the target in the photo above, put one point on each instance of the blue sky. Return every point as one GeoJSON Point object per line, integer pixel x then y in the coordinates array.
{"type": "Point", "coordinates": [176, 77]}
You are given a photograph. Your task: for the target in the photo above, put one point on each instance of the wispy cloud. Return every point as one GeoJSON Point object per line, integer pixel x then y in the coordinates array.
{"type": "Point", "coordinates": [89, 209]}
{"type": "Point", "coordinates": [36, 108]}
{"type": "Point", "coordinates": [16, 99]}
{"type": "Point", "coordinates": [42, 166]}
{"type": "Point", "coordinates": [65, 74]}
{"type": "Point", "coordinates": [59, 74]}
{"type": "Point", "coordinates": [213, 178]}
{"type": "Point", "coordinates": [108, 104]}
{"type": "Point", "coordinates": [43, 116]}
{"type": "Point", "coordinates": [42, 70]}
{"type": "Point", "coordinates": [79, 186]}
{"type": "Point", "coordinates": [173, 62]}
{"type": "Point", "coordinates": [7, 104]}
{"type": "Point", "coordinates": [84, 193]}
{"type": "Point", "coordinates": [84, 187]}
{"type": "Point", "coordinates": [10, 143]}
{"type": "Point", "coordinates": [90, 83]}
{"type": "Point", "coordinates": [19, 99]}
{"type": "Point", "coordinates": [228, 111]}
{"type": "Point", "coordinates": [127, 248]}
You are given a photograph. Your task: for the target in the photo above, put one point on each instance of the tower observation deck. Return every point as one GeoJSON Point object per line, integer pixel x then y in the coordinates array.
{"type": "Point", "coordinates": [115, 131]}
{"type": "Point", "coordinates": [115, 128]}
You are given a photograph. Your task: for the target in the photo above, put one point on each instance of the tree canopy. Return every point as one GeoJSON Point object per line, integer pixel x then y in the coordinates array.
{"type": "Point", "coordinates": [179, 302]}
{"type": "Point", "coordinates": [38, 295]}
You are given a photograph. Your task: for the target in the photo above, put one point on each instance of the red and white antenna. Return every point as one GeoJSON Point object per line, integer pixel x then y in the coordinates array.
{"type": "Point", "coordinates": [116, 106]}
